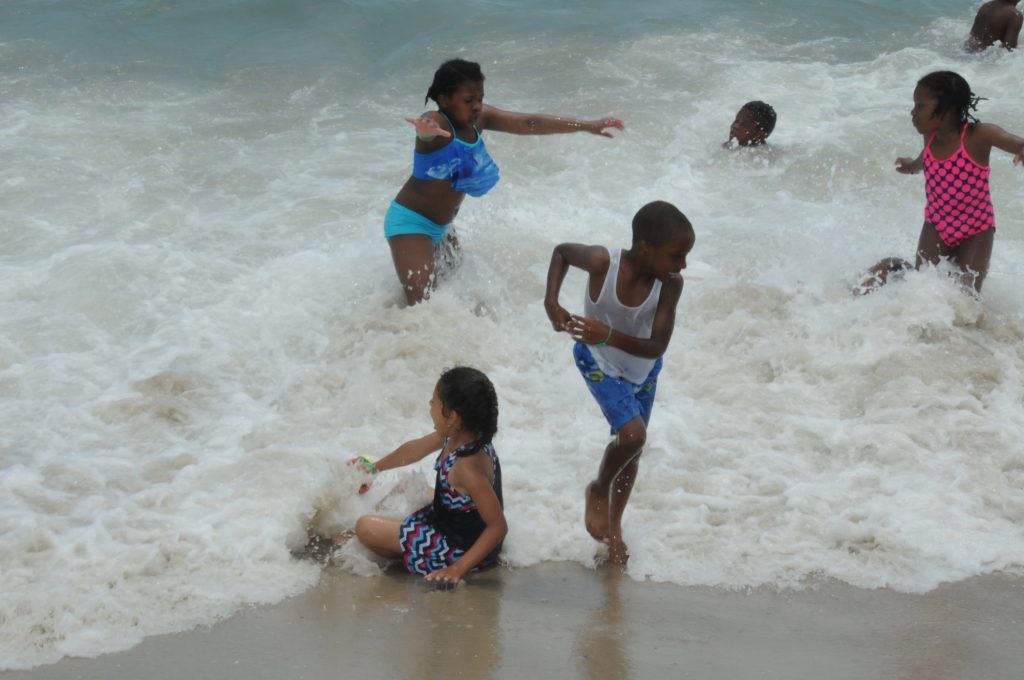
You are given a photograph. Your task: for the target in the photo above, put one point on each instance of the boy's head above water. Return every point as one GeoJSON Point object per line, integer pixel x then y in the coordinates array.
{"type": "Point", "coordinates": [753, 123]}
{"type": "Point", "coordinates": [662, 238]}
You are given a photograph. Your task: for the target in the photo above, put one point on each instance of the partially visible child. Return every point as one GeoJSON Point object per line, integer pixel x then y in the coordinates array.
{"type": "Point", "coordinates": [629, 312]}
{"type": "Point", "coordinates": [463, 528]}
{"type": "Point", "coordinates": [879, 274]}
{"type": "Point", "coordinates": [753, 123]}
{"type": "Point", "coordinates": [959, 220]}
{"type": "Point", "coordinates": [996, 21]}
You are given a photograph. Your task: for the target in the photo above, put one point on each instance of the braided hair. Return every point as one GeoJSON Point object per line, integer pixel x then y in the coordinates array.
{"type": "Point", "coordinates": [469, 393]}
{"type": "Point", "coordinates": [451, 75]}
{"type": "Point", "coordinates": [953, 94]}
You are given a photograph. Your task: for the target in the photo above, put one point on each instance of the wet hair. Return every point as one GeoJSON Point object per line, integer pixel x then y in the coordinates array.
{"type": "Point", "coordinates": [451, 75]}
{"type": "Point", "coordinates": [469, 393]}
{"type": "Point", "coordinates": [659, 221]}
{"type": "Point", "coordinates": [764, 116]}
{"type": "Point", "coordinates": [952, 94]}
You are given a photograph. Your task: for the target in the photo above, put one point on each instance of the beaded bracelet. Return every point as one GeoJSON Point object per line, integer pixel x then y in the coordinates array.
{"type": "Point", "coordinates": [605, 341]}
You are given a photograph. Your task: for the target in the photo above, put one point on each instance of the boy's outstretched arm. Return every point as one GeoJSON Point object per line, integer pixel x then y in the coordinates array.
{"type": "Point", "coordinates": [591, 331]}
{"type": "Point", "coordinates": [592, 259]}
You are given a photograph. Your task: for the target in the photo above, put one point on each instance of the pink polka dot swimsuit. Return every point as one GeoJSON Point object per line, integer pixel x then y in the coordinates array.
{"type": "Point", "coordinates": [959, 201]}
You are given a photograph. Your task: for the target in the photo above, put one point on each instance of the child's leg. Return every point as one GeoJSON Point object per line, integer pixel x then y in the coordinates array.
{"type": "Point", "coordinates": [413, 255]}
{"type": "Point", "coordinates": [605, 492]}
{"type": "Point", "coordinates": [380, 534]}
{"type": "Point", "coordinates": [973, 256]}
{"type": "Point", "coordinates": [929, 246]}
{"type": "Point", "coordinates": [621, 488]}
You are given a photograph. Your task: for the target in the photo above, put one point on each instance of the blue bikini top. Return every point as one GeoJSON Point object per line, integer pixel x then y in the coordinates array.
{"type": "Point", "coordinates": [468, 166]}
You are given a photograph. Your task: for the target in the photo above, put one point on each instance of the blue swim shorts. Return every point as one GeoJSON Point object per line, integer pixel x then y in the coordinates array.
{"type": "Point", "coordinates": [400, 220]}
{"type": "Point", "coordinates": [620, 400]}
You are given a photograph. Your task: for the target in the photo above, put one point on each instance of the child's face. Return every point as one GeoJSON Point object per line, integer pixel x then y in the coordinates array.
{"type": "Point", "coordinates": [745, 129]}
{"type": "Point", "coordinates": [440, 420]}
{"type": "Point", "coordinates": [670, 257]}
{"type": "Point", "coordinates": [464, 105]}
{"type": "Point", "coordinates": [923, 114]}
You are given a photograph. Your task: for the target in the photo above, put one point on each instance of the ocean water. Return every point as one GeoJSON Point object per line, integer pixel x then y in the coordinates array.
{"type": "Point", "coordinates": [201, 322]}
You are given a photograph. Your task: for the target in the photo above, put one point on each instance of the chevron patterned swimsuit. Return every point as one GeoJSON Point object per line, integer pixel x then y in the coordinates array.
{"type": "Point", "coordinates": [958, 197]}
{"type": "Point", "coordinates": [437, 535]}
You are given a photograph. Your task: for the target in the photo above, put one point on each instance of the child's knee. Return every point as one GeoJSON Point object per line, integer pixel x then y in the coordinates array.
{"type": "Point", "coordinates": [364, 528]}
{"type": "Point", "coordinates": [633, 434]}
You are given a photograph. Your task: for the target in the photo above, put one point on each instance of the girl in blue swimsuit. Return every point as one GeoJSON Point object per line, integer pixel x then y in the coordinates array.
{"type": "Point", "coordinates": [451, 161]}
{"type": "Point", "coordinates": [462, 530]}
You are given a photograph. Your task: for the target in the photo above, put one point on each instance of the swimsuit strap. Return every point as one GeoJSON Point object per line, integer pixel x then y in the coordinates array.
{"type": "Point", "coordinates": [455, 136]}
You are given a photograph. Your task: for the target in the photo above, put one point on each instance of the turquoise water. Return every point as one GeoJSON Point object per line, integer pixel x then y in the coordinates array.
{"type": "Point", "coordinates": [201, 322]}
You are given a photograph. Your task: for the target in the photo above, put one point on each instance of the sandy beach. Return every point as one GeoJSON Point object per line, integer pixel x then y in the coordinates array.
{"type": "Point", "coordinates": [561, 620]}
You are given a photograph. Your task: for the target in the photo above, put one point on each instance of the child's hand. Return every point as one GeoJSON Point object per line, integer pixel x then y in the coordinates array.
{"type": "Point", "coordinates": [559, 317]}
{"type": "Point", "coordinates": [1019, 158]}
{"type": "Point", "coordinates": [368, 466]}
{"type": "Point", "coordinates": [589, 331]}
{"type": "Point", "coordinates": [905, 166]}
{"type": "Point", "coordinates": [450, 575]}
{"type": "Point", "coordinates": [425, 127]}
{"type": "Point", "coordinates": [597, 127]}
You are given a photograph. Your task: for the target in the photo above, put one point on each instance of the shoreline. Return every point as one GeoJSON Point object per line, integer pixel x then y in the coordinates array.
{"type": "Point", "coordinates": [563, 620]}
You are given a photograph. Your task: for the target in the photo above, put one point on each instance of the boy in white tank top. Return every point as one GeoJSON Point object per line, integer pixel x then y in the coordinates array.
{"type": "Point", "coordinates": [629, 314]}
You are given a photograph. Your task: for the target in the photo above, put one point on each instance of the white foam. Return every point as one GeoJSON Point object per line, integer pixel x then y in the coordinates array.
{"type": "Point", "coordinates": [202, 324]}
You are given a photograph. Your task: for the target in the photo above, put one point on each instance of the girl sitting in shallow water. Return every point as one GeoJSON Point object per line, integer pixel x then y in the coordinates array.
{"type": "Point", "coordinates": [463, 528]}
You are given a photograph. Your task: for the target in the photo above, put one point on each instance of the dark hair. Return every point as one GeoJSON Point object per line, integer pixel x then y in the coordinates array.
{"type": "Point", "coordinates": [451, 75]}
{"type": "Point", "coordinates": [470, 393]}
{"type": "Point", "coordinates": [952, 94]}
{"type": "Point", "coordinates": [657, 222]}
{"type": "Point", "coordinates": [764, 115]}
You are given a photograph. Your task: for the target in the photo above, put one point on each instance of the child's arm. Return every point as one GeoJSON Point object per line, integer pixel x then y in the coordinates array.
{"type": "Point", "coordinates": [428, 126]}
{"type": "Point", "coordinates": [993, 135]}
{"type": "Point", "coordinates": [910, 167]}
{"type": "Point", "coordinates": [1013, 31]}
{"type": "Point", "coordinates": [592, 259]}
{"type": "Point", "coordinates": [542, 124]}
{"type": "Point", "coordinates": [409, 452]}
{"type": "Point", "coordinates": [473, 478]}
{"type": "Point", "coordinates": [593, 332]}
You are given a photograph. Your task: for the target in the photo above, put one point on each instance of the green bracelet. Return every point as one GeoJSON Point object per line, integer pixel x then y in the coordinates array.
{"type": "Point", "coordinates": [605, 341]}
{"type": "Point", "coordinates": [370, 465]}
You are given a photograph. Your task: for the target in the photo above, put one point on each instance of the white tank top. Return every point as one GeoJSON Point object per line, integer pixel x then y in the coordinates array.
{"type": "Point", "coordinates": [635, 321]}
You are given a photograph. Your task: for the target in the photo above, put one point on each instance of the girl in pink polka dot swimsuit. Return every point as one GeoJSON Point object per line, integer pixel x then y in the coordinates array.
{"type": "Point", "coordinates": [959, 222]}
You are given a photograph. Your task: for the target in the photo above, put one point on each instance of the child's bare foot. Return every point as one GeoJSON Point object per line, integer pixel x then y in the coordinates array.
{"type": "Point", "coordinates": [618, 553]}
{"type": "Point", "coordinates": [595, 514]}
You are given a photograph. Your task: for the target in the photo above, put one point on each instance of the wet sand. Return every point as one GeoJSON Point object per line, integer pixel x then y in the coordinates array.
{"type": "Point", "coordinates": [565, 621]}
